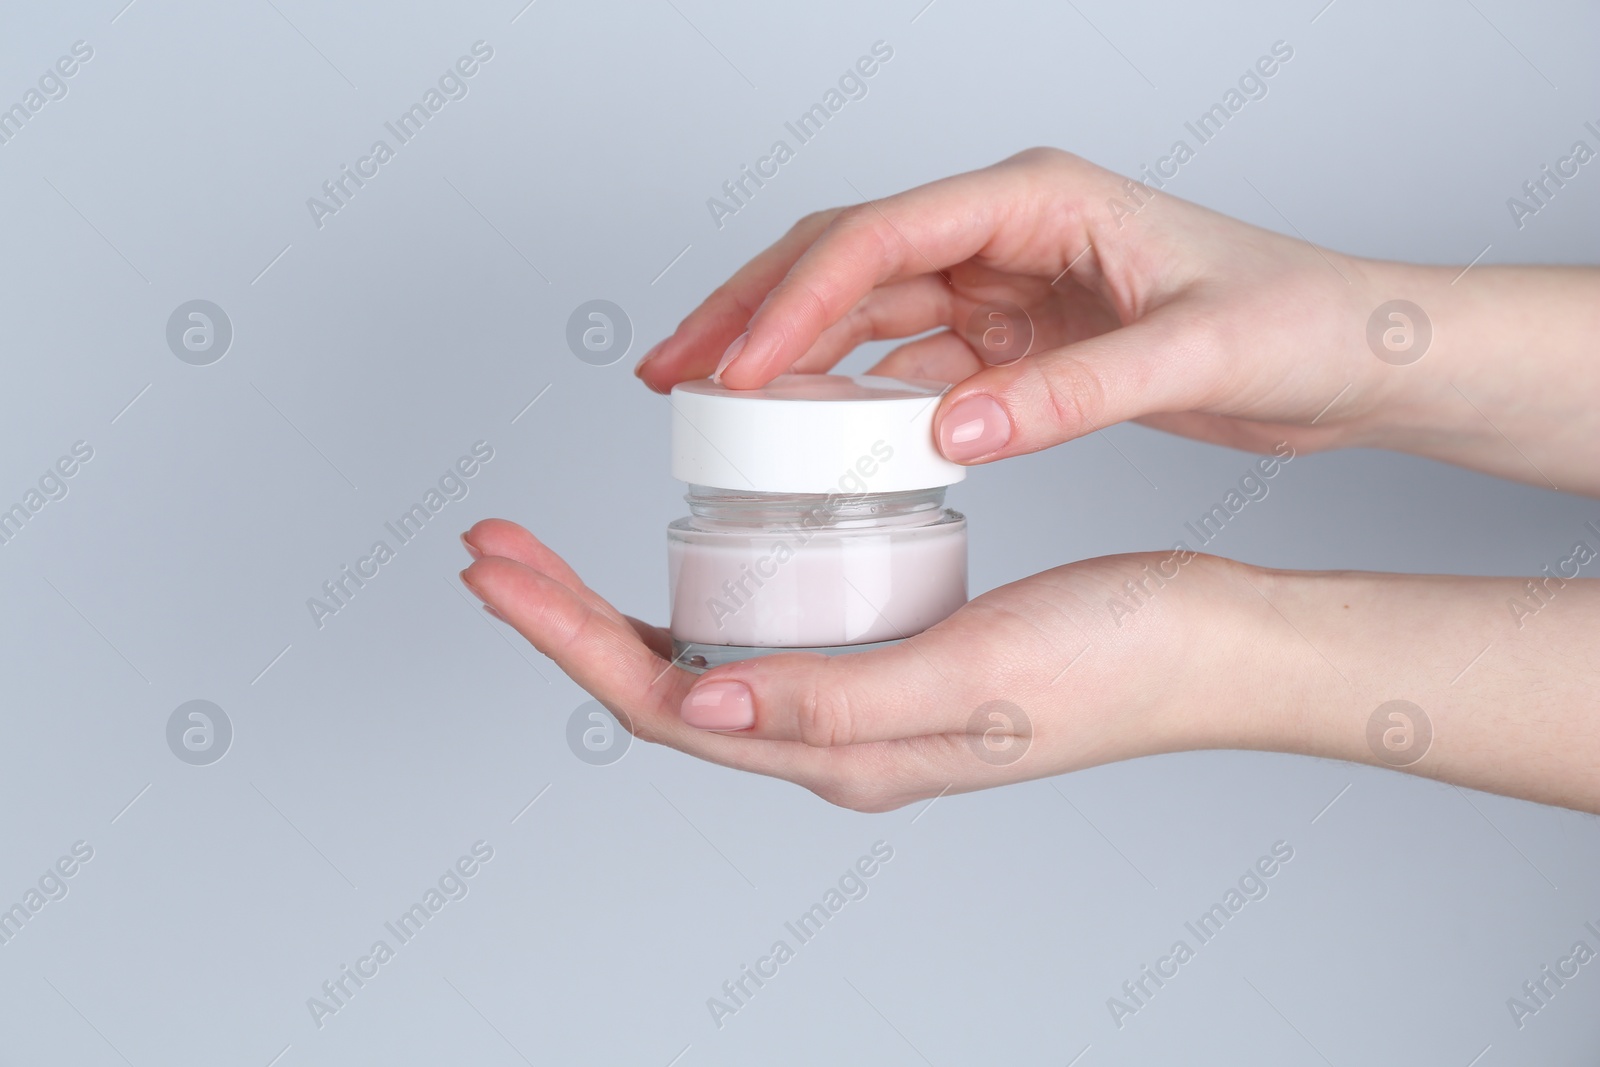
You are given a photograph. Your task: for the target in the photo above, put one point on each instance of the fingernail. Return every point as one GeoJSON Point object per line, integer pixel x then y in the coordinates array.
{"type": "Point", "coordinates": [730, 355]}
{"type": "Point", "coordinates": [638, 367]}
{"type": "Point", "coordinates": [721, 706]}
{"type": "Point", "coordinates": [975, 427]}
{"type": "Point", "coordinates": [471, 551]}
{"type": "Point", "coordinates": [468, 583]}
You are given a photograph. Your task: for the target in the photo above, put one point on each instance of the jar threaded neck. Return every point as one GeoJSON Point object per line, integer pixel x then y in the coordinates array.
{"type": "Point", "coordinates": [734, 509]}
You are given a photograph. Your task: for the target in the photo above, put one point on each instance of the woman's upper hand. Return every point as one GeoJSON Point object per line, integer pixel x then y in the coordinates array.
{"type": "Point", "coordinates": [1139, 306]}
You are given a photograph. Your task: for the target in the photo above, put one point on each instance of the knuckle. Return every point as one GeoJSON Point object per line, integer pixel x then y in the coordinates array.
{"type": "Point", "coordinates": [735, 298]}
{"type": "Point", "coordinates": [814, 220]}
{"type": "Point", "coordinates": [853, 217]}
{"type": "Point", "coordinates": [1052, 163]}
{"type": "Point", "coordinates": [806, 313]}
{"type": "Point", "coordinates": [1073, 393]}
{"type": "Point", "coordinates": [864, 225]}
{"type": "Point", "coordinates": [823, 716]}
{"type": "Point", "coordinates": [1043, 155]}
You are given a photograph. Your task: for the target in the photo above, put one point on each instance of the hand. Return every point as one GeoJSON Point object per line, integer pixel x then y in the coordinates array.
{"type": "Point", "coordinates": [880, 729]}
{"type": "Point", "coordinates": [1175, 316]}
{"type": "Point", "coordinates": [1217, 655]}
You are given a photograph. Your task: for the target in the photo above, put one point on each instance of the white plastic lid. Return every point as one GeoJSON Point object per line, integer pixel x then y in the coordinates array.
{"type": "Point", "coordinates": [810, 433]}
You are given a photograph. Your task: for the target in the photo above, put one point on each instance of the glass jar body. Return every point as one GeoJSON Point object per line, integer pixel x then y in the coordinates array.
{"type": "Point", "coordinates": [755, 573]}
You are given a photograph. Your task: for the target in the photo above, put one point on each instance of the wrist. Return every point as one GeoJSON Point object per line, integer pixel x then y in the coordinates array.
{"type": "Point", "coordinates": [1407, 332]}
{"type": "Point", "coordinates": [1488, 368]}
{"type": "Point", "coordinates": [1285, 661]}
{"type": "Point", "coordinates": [1238, 673]}
{"type": "Point", "coordinates": [1318, 678]}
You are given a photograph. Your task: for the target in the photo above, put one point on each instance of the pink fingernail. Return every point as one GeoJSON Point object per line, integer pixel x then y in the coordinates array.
{"type": "Point", "coordinates": [720, 706]}
{"type": "Point", "coordinates": [730, 355]}
{"type": "Point", "coordinates": [471, 551]}
{"type": "Point", "coordinates": [974, 427]}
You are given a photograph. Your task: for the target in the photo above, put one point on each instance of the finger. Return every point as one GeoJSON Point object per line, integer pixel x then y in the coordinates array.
{"type": "Point", "coordinates": [944, 357]}
{"type": "Point", "coordinates": [1159, 364]}
{"type": "Point", "coordinates": [600, 652]}
{"type": "Point", "coordinates": [655, 638]}
{"type": "Point", "coordinates": [1019, 213]}
{"type": "Point", "coordinates": [838, 701]}
{"type": "Point", "coordinates": [900, 309]}
{"type": "Point", "coordinates": [603, 654]}
{"type": "Point", "coordinates": [915, 305]}
{"type": "Point", "coordinates": [693, 349]}
{"type": "Point", "coordinates": [498, 537]}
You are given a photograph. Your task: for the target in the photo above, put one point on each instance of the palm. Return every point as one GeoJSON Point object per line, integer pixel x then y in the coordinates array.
{"type": "Point", "coordinates": [1025, 652]}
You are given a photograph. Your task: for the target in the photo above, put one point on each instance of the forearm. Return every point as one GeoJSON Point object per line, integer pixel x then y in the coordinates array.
{"type": "Point", "coordinates": [1506, 674]}
{"type": "Point", "coordinates": [1510, 381]}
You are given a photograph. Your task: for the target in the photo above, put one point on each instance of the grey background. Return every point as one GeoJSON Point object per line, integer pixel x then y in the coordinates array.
{"type": "Point", "coordinates": [371, 753]}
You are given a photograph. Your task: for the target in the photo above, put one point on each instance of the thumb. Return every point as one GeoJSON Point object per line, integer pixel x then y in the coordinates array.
{"type": "Point", "coordinates": [831, 701]}
{"type": "Point", "coordinates": [1157, 364]}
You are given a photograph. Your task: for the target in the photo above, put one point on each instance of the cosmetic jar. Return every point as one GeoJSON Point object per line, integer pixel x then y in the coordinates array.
{"type": "Point", "coordinates": [816, 517]}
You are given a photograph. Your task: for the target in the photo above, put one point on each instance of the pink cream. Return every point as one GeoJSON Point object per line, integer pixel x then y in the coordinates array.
{"type": "Point", "coordinates": [837, 588]}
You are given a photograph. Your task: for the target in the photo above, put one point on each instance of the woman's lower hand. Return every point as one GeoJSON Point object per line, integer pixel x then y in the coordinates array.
{"type": "Point", "coordinates": [1032, 679]}
{"type": "Point", "coordinates": [1105, 660]}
